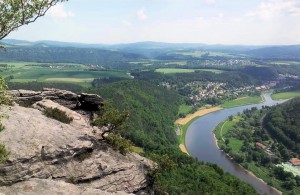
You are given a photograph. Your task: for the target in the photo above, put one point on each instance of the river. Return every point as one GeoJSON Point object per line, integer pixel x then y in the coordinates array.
{"type": "Point", "coordinates": [200, 143]}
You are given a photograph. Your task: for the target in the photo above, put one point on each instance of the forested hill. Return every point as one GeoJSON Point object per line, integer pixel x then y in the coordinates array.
{"type": "Point", "coordinates": [283, 123]}
{"type": "Point", "coordinates": [68, 55]}
{"type": "Point", "coordinates": [291, 52]}
{"type": "Point", "coordinates": [153, 111]}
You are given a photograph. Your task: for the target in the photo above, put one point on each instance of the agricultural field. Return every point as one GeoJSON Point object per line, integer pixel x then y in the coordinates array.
{"type": "Point", "coordinates": [58, 72]}
{"type": "Point", "coordinates": [285, 95]}
{"type": "Point", "coordinates": [174, 70]}
{"type": "Point", "coordinates": [182, 70]}
{"type": "Point", "coordinates": [247, 100]}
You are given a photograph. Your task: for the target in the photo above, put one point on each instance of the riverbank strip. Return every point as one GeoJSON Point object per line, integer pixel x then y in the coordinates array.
{"type": "Point", "coordinates": [184, 123]}
{"type": "Point", "coordinates": [255, 172]}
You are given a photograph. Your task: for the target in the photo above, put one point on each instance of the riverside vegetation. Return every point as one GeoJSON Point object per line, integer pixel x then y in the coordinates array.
{"type": "Point", "coordinates": [277, 128]}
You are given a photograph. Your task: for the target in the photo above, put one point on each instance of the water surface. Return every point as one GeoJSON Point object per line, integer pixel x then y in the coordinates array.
{"type": "Point", "coordinates": [201, 144]}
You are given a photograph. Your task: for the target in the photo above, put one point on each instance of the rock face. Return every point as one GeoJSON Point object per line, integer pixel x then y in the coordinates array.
{"type": "Point", "coordinates": [51, 187]}
{"type": "Point", "coordinates": [84, 103]}
{"type": "Point", "coordinates": [65, 158]}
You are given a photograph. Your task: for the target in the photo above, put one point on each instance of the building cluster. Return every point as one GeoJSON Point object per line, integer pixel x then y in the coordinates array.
{"type": "Point", "coordinates": [215, 90]}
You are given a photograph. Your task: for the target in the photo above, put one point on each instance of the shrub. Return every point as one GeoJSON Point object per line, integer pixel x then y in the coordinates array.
{"type": "Point", "coordinates": [119, 143]}
{"type": "Point", "coordinates": [58, 115]}
{"type": "Point", "coordinates": [3, 153]}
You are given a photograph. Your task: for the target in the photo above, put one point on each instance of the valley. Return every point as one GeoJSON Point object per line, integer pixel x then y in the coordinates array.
{"type": "Point", "coordinates": [190, 84]}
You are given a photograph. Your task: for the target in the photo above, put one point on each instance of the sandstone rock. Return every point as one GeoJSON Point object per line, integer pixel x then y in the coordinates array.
{"type": "Point", "coordinates": [90, 101]}
{"type": "Point", "coordinates": [43, 148]}
{"type": "Point", "coordinates": [28, 93]}
{"type": "Point", "coordinates": [51, 187]}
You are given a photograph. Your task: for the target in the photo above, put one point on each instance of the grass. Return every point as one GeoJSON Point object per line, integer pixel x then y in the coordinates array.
{"type": "Point", "coordinates": [182, 63]}
{"type": "Point", "coordinates": [60, 72]}
{"type": "Point", "coordinates": [185, 109]}
{"type": "Point", "coordinates": [174, 70]}
{"type": "Point", "coordinates": [247, 100]}
{"type": "Point", "coordinates": [182, 70]}
{"type": "Point", "coordinates": [211, 70]}
{"type": "Point", "coordinates": [221, 134]}
{"type": "Point", "coordinates": [285, 95]}
{"type": "Point", "coordinates": [289, 168]}
{"type": "Point", "coordinates": [57, 114]}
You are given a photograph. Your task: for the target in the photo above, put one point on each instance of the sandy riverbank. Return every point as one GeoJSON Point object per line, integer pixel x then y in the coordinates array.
{"type": "Point", "coordinates": [183, 149]}
{"type": "Point", "coordinates": [185, 120]}
{"type": "Point", "coordinates": [188, 118]}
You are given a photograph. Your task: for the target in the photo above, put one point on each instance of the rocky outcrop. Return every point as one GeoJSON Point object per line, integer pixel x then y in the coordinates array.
{"type": "Point", "coordinates": [51, 187]}
{"type": "Point", "coordinates": [85, 104]}
{"type": "Point", "coordinates": [47, 154]}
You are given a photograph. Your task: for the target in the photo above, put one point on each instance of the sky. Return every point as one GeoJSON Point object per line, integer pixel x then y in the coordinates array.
{"type": "Point", "coordinates": [243, 22]}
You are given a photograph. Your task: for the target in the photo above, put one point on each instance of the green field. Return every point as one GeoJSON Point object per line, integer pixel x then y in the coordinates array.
{"type": "Point", "coordinates": [185, 109]}
{"type": "Point", "coordinates": [182, 70]}
{"type": "Point", "coordinates": [222, 130]}
{"type": "Point", "coordinates": [174, 70]}
{"type": "Point", "coordinates": [57, 72]}
{"type": "Point", "coordinates": [285, 95]}
{"type": "Point", "coordinates": [247, 100]}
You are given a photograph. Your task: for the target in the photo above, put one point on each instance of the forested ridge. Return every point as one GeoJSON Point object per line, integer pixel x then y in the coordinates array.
{"type": "Point", "coordinates": [153, 111]}
{"type": "Point", "coordinates": [283, 123]}
{"type": "Point", "coordinates": [107, 58]}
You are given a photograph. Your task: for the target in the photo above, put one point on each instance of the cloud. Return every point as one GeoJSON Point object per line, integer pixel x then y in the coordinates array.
{"type": "Point", "coordinates": [126, 23]}
{"type": "Point", "coordinates": [58, 11]}
{"type": "Point", "coordinates": [270, 9]}
{"type": "Point", "coordinates": [141, 14]}
{"type": "Point", "coordinates": [210, 2]}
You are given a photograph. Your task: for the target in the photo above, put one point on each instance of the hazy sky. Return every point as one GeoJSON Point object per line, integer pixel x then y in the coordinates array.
{"type": "Point", "coordinates": [202, 21]}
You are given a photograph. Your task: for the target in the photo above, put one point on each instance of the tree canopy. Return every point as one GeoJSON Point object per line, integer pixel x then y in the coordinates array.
{"type": "Point", "coordinates": [16, 13]}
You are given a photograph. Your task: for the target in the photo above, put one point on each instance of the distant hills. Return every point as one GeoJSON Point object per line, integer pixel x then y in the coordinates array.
{"type": "Point", "coordinates": [153, 49]}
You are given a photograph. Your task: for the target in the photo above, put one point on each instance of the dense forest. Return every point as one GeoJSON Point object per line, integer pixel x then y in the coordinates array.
{"type": "Point", "coordinates": [107, 58]}
{"type": "Point", "coordinates": [283, 124]}
{"type": "Point", "coordinates": [153, 111]}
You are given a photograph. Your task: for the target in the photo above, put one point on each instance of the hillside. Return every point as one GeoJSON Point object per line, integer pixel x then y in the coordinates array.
{"type": "Point", "coordinates": [103, 57]}
{"type": "Point", "coordinates": [283, 123]}
{"type": "Point", "coordinates": [153, 111]}
{"type": "Point", "coordinates": [291, 52]}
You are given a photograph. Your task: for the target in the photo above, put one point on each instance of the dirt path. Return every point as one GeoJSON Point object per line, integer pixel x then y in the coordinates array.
{"type": "Point", "coordinates": [221, 131]}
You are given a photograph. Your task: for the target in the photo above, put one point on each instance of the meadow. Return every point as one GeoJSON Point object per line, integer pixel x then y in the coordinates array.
{"type": "Point", "coordinates": [247, 100]}
{"type": "Point", "coordinates": [285, 95]}
{"type": "Point", "coordinates": [57, 72]}
{"type": "Point", "coordinates": [182, 70]}
{"type": "Point", "coordinates": [221, 134]}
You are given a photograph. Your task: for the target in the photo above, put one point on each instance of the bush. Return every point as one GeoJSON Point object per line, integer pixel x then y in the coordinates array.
{"type": "Point", "coordinates": [57, 115]}
{"type": "Point", "coordinates": [119, 143]}
{"type": "Point", "coordinates": [3, 153]}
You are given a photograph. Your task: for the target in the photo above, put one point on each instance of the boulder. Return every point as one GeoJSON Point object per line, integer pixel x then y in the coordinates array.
{"type": "Point", "coordinates": [45, 153]}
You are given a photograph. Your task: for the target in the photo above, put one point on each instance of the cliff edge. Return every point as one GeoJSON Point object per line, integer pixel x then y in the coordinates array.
{"type": "Point", "coordinates": [57, 158]}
